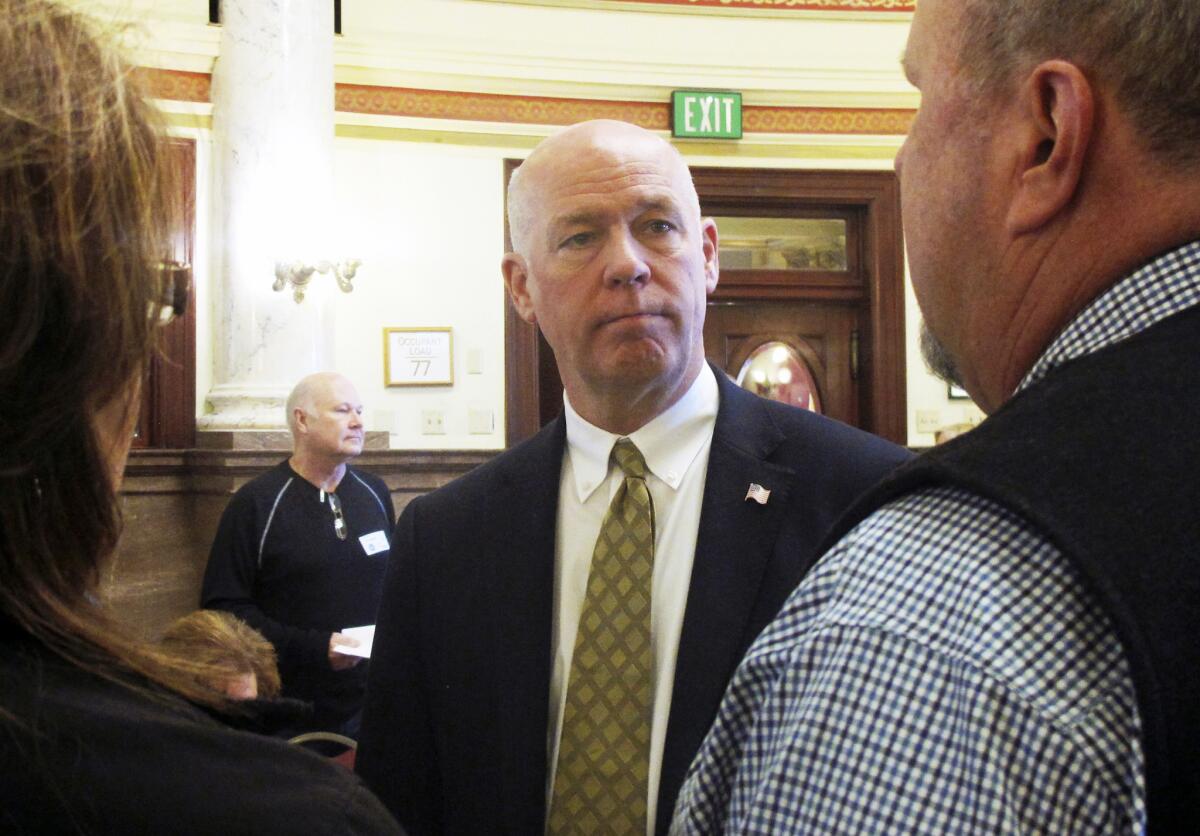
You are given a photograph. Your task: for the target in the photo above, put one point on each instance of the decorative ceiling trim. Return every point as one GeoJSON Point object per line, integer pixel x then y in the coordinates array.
{"type": "Point", "coordinates": [827, 120]}
{"type": "Point", "coordinates": [787, 5]}
{"type": "Point", "coordinates": [175, 85]}
{"type": "Point", "coordinates": [500, 108]}
{"type": "Point", "coordinates": [753, 7]}
{"type": "Point", "coordinates": [656, 116]}
{"type": "Point", "coordinates": [496, 107]}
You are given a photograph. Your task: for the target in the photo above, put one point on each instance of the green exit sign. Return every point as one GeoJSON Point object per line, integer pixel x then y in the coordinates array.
{"type": "Point", "coordinates": [706, 114]}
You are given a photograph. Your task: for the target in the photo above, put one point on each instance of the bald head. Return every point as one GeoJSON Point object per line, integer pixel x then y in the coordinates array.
{"type": "Point", "coordinates": [547, 163]}
{"type": "Point", "coordinates": [312, 392]}
{"type": "Point", "coordinates": [325, 417]}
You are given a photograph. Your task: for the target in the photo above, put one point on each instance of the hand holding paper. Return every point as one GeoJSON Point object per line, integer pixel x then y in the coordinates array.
{"type": "Point", "coordinates": [363, 636]}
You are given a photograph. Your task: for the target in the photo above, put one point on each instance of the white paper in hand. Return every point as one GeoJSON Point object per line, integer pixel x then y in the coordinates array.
{"type": "Point", "coordinates": [365, 636]}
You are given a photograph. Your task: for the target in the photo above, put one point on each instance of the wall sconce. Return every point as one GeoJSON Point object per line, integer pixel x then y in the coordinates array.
{"type": "Point", "coordinates": [298, 275]}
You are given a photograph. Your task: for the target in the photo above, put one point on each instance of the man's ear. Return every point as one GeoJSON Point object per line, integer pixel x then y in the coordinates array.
{"type": "Point", "coordinates": [712, 263]}
{"type": "Point", "coordinates": [1056, 118]}
{"type": "Point", "coordinates": [516, 280]}
{"type": "Point", "coordinates": [300, 420]}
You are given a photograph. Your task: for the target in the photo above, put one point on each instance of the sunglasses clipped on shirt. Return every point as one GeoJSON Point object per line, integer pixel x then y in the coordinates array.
{"type": "Point", "coordinates": [339, 521]}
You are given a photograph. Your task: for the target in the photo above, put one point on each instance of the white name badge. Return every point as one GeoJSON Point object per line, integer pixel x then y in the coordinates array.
{"type": "Point", "coordinates": [374, 542]}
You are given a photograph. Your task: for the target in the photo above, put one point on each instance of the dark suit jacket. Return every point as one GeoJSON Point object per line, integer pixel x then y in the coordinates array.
{"type": "Point", "coordinates": [454, 732]}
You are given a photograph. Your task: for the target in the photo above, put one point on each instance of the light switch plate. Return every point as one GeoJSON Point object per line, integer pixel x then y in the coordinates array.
{"type": "Point", "coordinates": [480, 421]}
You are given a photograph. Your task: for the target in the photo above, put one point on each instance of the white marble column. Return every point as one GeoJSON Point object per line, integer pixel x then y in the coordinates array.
{"type": "Point", "coordinates": [272, 97]}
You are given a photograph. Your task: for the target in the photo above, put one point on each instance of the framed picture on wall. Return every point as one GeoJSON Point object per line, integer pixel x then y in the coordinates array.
{"type": "Point", "coordinates": [418, 357]}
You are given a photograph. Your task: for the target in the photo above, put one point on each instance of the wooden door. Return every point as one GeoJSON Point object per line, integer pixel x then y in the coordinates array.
{"type": "Point", "coordinates": [813, 260]}
{"type": "Point", "coordinates": [819, 337]}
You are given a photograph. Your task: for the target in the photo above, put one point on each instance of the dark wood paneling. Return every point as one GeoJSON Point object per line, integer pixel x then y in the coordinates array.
{"type": "Point", "coordinates": [168, 412]}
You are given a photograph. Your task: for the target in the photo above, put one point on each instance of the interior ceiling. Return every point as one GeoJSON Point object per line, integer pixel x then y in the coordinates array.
{"type": "Point", "coordinates": [771, 7]}
{"type": "Point", "coordinates": [573, 53]}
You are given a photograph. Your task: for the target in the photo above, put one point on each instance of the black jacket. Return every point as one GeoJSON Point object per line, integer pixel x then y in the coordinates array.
{"type": "Point", "coordinates": [82, 754]}
{"type": "Point", "coordinates": [454, 731]}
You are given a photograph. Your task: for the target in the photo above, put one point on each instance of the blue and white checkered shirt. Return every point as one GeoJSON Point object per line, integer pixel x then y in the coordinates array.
{"type": "Point", "coordinates": [941, 669]}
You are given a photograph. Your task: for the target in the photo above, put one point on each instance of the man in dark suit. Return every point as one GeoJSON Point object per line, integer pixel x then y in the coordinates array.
{"type": "Point", "coordinates": [495, 634]}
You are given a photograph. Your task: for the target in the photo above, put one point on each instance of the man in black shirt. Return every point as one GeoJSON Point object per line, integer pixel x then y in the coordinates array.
{"type": "Point", "coordinates": [301, 550]}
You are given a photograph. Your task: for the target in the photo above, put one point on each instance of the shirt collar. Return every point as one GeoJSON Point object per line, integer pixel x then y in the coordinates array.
{"type": "Point", "coordinates": [1164, 286]}
{"type": "Point", "coordinates": [670, 442]}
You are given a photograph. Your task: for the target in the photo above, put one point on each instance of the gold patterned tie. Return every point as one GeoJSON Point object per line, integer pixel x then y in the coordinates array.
{"type": "Point", "coordinates": [601, 783]}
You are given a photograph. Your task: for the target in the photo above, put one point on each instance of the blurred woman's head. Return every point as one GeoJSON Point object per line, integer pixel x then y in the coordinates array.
{"type": "Point", "coordinates": [245, 660]}
{"type": "Point", "coordinates": [85, 212]}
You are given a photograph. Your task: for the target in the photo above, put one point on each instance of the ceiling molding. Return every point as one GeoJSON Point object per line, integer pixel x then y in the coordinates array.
{"type": "Point", "coordinates": [496, 108]}
{"type": "Point", "coordinates": [760, 150]}
{"type": "Point", "coordinates": [782, 8]}
{"type": "Point", "coordinates": [545, 110]}
{"type": "Point", "coordinates": [593, 77]}
{"type": "Point", "coordinates": [801, 59]}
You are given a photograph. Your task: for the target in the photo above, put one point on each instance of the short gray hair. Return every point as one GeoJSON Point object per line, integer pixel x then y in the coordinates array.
{"type": "Point", "coordinates": [518, 211]}
{"type": "Point", "coordinates": [301, 397]}
{"type": "Point", "coordinates": [1146, 49]}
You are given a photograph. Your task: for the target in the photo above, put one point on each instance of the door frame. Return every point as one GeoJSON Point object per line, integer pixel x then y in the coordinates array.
{"type": "Point", "coordinates": [879, 250]}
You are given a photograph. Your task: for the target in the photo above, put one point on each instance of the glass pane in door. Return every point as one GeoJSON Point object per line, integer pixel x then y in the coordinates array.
{"type": "Point", "coordinates": [813, 244]}
{"type": "Point", "coordinates": [776, 370]}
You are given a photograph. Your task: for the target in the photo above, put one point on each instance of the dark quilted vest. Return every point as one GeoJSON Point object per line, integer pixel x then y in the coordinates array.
{"type": "Point", "coordinates": [1103, 456]}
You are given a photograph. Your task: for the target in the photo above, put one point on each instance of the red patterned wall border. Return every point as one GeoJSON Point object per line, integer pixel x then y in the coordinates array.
{"type": "Point", "coordinates": [176, 85]}
{"type": "Point", "coordinates": [547, 110]}
{"type": "Point", "coordinates": [544, 110]}
{"type": "Point", "coordinates": [788, 5]}
{"type": "Point", "coordinates": [827, 120]}
{"type": "Point", "coordinates": [495, 107]}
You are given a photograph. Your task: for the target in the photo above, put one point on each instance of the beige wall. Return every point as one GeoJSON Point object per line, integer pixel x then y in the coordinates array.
{"type": "Point", "coordinates": [427, 223]}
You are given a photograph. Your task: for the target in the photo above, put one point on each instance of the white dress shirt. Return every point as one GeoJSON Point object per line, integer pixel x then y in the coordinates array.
{"type": "Point", "coordinates": [675, 445]}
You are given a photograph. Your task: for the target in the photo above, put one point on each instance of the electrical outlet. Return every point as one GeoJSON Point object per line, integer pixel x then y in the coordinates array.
{"type": "Point", "coordinates": [433, 422]}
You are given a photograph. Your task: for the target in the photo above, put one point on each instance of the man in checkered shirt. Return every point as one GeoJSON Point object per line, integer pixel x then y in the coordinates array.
{"type": "Point", "coordinates": [1006, 636]}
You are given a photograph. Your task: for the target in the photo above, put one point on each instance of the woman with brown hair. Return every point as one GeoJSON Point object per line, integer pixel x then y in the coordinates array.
{"type": "Point", "coordinates": [246, 661]}
{"type": "Point", "coordinates": [101, 733]}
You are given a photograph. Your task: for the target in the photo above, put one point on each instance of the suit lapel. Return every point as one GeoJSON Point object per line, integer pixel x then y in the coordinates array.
{"type": "Point", "coordinates": [522, 517]}
{"type": "Point", "coordinates": [733, 547]}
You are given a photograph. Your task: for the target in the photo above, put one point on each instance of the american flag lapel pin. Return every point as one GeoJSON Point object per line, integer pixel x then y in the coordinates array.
{"type": "Point", "coordinates": [758, 493]}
